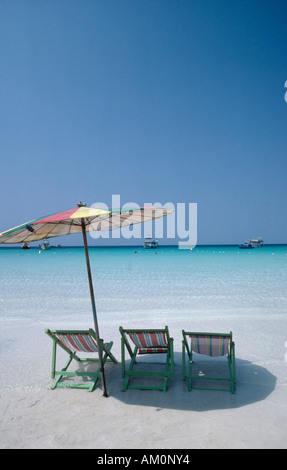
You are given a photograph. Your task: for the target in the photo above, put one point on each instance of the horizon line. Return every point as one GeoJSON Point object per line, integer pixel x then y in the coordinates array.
{"type": "Point", "coordinates": [13, 245]}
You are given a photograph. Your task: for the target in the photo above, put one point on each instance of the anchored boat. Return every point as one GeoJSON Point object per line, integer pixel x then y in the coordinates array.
{"type": "Point", "coordinates": [150, 243]}
{"type": "Point", "coordinates": [45, 246]}
{"type": "Point", "coordinates": [25, 246]}
{"type": "Point", "coordinates": [255, 242]}
{"type": "Point", "coordinates": [246, 245]}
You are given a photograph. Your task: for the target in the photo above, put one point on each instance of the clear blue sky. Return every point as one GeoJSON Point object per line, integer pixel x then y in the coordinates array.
{"type": "Point", "coordinates": [155, 100]}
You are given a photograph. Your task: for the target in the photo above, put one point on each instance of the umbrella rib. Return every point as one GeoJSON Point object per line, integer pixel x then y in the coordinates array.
{"type": "Point", "coordinates": [52, 228]}
{"type": "Point", "coordinates": [22, 231]}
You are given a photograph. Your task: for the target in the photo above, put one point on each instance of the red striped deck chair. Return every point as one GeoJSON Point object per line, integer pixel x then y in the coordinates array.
{"type": "Point", "coordinates": [147, 342]}
{"type": "Point", "coordinates": [74, 342]}
{"type": "Point", "coordinates": [212, 345]}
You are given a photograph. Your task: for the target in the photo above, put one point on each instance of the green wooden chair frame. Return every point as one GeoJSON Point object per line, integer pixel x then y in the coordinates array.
{"type": "Point", "coordinates": [221, 343]}
{"type": "Point", "coordinates": [153, 347]}
{"type": "Point", "coordinates": [73, 341]}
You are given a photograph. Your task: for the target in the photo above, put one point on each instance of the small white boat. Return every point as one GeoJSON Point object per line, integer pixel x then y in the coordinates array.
{"type": "Point", "coordinates": [150, 243]}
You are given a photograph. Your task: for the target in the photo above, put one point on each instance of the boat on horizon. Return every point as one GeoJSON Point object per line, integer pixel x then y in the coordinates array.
{"type": "Point", "coordinates": [45, 245]}
{"type": "Point", "coordinates": [246, 246]}
{"type": "Point", "coordinates": [150, 243]}
{"type": "Point", "coordinates": [256, 242]}
{"type": "Point", "coordinates": [26, 246]}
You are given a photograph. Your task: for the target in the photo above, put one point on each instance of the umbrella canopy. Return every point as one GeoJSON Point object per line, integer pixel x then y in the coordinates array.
{"type": "Point", "coordinates": [70, 221]}
{"type": "Point", "coordinates": [82, 219]}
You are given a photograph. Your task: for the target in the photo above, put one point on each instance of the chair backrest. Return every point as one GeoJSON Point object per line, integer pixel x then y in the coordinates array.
{"type": "Point", "coordinates": [149, 341]}
{"type": "Point", "coordinates": [77, 341]}
{"type": "Point", "coordinates": [210, 344]}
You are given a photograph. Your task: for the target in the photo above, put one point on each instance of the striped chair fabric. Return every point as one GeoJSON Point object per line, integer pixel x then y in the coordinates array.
{"type": "Point", "coordinates": [149, 342]}
{"type": "Point", "coordinates": [82, 342]}
{"type": "Point", "coordinates": [210, 345]}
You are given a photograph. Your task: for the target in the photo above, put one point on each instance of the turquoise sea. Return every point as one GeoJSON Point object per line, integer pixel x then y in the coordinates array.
{"type": "Point", "coordinates": [53, 285]}
{"type": "Point", "coordinates": [212, 288]}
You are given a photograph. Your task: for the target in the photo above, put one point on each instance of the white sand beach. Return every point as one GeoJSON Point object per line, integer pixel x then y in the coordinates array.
{"type": "Point", "coordinates": [35, 417]}
{"type": "Point", "coordinates": [167, 120]}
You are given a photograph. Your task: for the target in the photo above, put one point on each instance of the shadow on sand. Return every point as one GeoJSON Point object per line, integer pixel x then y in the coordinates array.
{"type": "Point", "coordinates": [254, 383]}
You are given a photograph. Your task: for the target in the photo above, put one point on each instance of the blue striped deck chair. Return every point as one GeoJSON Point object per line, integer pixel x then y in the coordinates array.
{"type": "Point", "coordinates": [74, 342]}
{"type": "Point", "coordinates": [213, 345]}
{"type": "Point", "coordinates": [147, 342]}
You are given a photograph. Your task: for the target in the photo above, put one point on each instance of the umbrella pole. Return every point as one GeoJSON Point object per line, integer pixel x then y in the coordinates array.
{"type": "Point", "coordinates": [105, 394]}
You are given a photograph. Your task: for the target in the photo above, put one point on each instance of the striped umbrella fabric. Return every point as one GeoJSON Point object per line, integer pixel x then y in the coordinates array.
{"type": "Point", "coordinates": [70, 221]}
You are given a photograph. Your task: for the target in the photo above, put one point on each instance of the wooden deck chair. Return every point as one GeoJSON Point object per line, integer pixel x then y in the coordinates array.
{"type": "Point", "coordinates": [208, 344]}
{"type": "Point", "coordinates": [73, 342]}
{"type": "Point", "coordinates": [147, 342]}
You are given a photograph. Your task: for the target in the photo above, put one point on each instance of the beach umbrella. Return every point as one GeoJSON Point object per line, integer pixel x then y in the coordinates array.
{"type": "Point", "coordinates": [82, 219]}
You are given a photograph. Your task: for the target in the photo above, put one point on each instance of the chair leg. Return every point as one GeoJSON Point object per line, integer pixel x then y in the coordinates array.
{"type": "Point", "coordinates": [232, 366]}
{"type": "Point", "coordinates": [169, 365]}
{"type": "Point", "coordinates": [109, 357]}
{"type": "Point", "coordinates": [71, 357]}
{"type": "Point", "coordinates": [183, 362]}
{"type": "Point", "coordinates": [233, 363]}
{"type": "Point", "coordinates": [190, 360]}
{"type": "Point", "coordinates": [93, 386]}
{"type": "Point", "coordinates": [230, 374]}
{"type": "Point", "coordinates": [123, 358]}
{"type": "Point", "coordinates": [189, 373]}
{"type": "Point", "coordinates": [129, 372]}
{"type": "Point", "coordinates": [54, 354]}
